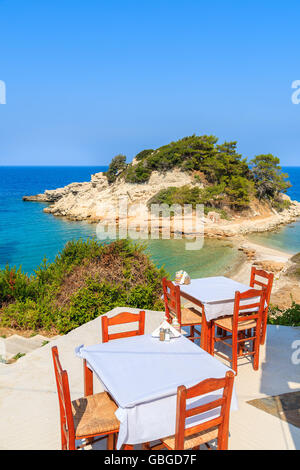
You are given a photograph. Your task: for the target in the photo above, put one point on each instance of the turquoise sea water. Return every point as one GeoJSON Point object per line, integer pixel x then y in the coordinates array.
{"type": "Point", "coordinates": [27, 234]}
{"type": "Point", "coordinates": [286, 238]}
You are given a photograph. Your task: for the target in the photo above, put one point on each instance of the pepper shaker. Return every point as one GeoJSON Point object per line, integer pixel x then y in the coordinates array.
{"type": "Point", "coordinates": [168, 335]}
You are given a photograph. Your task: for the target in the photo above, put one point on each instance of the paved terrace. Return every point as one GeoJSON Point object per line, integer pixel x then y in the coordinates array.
{"type": "Point", "coordinates": [29, 403]}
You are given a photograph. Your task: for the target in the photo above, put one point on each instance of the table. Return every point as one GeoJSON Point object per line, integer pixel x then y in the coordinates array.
{"type": "Point", "coordinates": [142, 375]}
{"type": "Point", "coordinates": [215, 296]}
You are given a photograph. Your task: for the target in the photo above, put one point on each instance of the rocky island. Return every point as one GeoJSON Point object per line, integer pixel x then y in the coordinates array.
{"type": "Point", "coordinates": [238, 197]}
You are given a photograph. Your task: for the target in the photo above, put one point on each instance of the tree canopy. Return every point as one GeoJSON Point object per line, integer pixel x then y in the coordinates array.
{"type": "Point", "coordinates": [226, 171]}
{"type": "Point", "coordinates": [117, 164]}
{"type": "Point", "coordinates": [268, 177]}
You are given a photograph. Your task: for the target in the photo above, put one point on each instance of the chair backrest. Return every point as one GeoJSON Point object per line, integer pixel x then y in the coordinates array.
{"type": "Point", "coordinates": [221, 421]}
{"type": "Point", "coordinates": [65, 407]}
{"type": "Point", "coordinates": [257, 278]}
{"type": "Point", "coordinates": [251, 310]}
{"type": "Point", "coordinates": [122, 318]}
{"type": "Point", "coordinates": [172, 300]}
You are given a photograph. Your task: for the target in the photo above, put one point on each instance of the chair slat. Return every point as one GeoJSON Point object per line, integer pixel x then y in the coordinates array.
{"type": "Point", "coordinates": [249, 306]}
{"type": "Point", "coordinates": [203, 427]}
{"type": "Point", "coordinates": [206, 386]}
{"type": "Point", "coordinates": [202, 408]}
{"type": "Point", "coordinates": [121, 319]}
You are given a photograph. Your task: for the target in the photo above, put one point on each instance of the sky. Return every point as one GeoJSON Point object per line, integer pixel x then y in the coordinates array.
{"type": "Point", "coordinates": [86, 80]}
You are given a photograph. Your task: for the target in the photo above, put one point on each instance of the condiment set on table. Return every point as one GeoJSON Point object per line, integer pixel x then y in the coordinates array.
{"type": "Point", "coordinates": [166, 332]}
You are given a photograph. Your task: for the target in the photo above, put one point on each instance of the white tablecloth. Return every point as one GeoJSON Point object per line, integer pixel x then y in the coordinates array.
{"type": "Point", "coordinates": [216, 293]}
{"type": "Point", "coordinates": [142, 375]}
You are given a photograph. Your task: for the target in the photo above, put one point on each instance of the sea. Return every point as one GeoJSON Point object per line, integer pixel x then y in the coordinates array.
{"type": "Point", "coordinates": [28, 235]}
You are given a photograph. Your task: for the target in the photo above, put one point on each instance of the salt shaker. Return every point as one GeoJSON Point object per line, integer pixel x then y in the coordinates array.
{"type": "Point", "coordinates": [161, 334]}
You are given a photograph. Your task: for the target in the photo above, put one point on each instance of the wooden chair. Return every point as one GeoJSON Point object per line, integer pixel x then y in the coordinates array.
{"type": "Point", "coordinates": [215, 428]}
{"type": "Point", "coordinates": [86, 417]}
{"type": "Point", "coordinates": [239, 323]}
{"type": "Point", "coordinates": [185, 316]}
{"type": "Point", "coordinates": [122, 318]}
{"type": "Point", "coordinates": [256, 274]}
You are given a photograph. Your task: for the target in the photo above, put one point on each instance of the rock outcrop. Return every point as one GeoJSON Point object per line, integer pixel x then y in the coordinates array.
{"type": "Point", "coordinates": [97, 200]}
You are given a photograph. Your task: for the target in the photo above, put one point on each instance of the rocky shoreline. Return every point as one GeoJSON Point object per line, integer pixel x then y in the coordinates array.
{"type": "Point", "coordinates": [97, 201]}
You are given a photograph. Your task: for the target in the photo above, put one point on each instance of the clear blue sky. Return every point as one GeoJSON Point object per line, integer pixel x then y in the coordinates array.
{"type": "Point", "coordinates": [89, 79]}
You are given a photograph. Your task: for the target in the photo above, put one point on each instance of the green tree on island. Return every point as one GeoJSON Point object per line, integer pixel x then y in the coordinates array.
{"type": "Point", "coordinates": [268, 177]}
{"type": "Point", "coordinates": [117, 164]}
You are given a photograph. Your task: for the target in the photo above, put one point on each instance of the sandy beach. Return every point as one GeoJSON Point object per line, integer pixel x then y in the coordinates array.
{"type": "Point", "coordinates": [273, 260]}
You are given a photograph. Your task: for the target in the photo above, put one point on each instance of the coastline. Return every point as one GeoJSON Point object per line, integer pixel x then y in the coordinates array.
{"type": "Point", "coordinates": [97, 201]}
{"type": "Point", "coordinates": [269, 259]}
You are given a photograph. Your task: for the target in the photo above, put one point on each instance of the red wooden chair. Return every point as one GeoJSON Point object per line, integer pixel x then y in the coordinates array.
{"type": "Point", "coordinates": [257, 278]}
{"type": "Point", "coordinates": [185, 316]}
{"type": "Point", "coordinates": [215, 428]}
{"type": "Point", "coordinates": [239, 323]}
{"type": "Point", "coordinates": [86, 417]}
{"type": "Point", "coordinates": [122, 318]}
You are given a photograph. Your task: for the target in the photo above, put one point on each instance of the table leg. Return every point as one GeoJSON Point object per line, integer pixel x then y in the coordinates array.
{"type": "Point", "coordinates": [88, 387]}
{"type": "Point", "coordinates": [88, 379]}
{"type": "Point", "coordinates": [127, 447]}
{"type": "Point", "coordinates": [209, 336]}
{"type": "Point", "coordinates": [204, 332]}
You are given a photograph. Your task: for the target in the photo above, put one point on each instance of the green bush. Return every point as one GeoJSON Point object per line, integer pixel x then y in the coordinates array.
{"type": "Point", "coordinates": [280, 205]}
{"type": "Point", "coordinates": [139, 173]}
{"type": "Point", "coordinates": [287, 317]}
{"type": "Point", "coordinates": [143, 154]}
{"type": "Point", "coordinates": [123, 275]}
{"type": "Point", "coordinates": [15, 285]}
{"type": "Point", "coordinates": [210, 197]}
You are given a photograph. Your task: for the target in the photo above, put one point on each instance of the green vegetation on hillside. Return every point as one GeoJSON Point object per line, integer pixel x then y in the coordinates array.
{"type": "Point", "coordinates": [219, 167]}
{"type": "Point", "coordinates": [208, 196]}
{"type": "Point", "coordinates": [86, 279]}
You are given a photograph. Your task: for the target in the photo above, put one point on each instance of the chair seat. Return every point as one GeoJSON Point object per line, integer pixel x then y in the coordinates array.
{"type": "Point", "coordinates": [190, 316]}
{"type": "Point", "coordinates": [227, 323]}
{"type": "Point", "coordinates": [194, 440]}
{"type": "Point", "coordinates": [94, 415]}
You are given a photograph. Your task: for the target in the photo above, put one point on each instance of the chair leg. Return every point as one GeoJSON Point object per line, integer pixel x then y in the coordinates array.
{"type": "Point", "coordinates": [241, 346]}
{"type": "Point", "coordinates": [192, 332]}
{"type": "Point", "coordinates": [264, 328]}
{"type": "Point", "coordinates": [256, 350]}
{"type": "Point", "coordinates": [63, 437]}
{"type": "Point", "coordinates": [127, 447]}
{"type": "Point", "coordinates": [110, 441]}
{"type": "Point", "coordinates": [234, 351]}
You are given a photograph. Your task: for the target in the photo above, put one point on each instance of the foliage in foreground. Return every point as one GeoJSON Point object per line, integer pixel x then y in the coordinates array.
{"type": "Point", "coordinates": [86, 279]}
{"type": "Point", "coordinates": [287, 317]}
